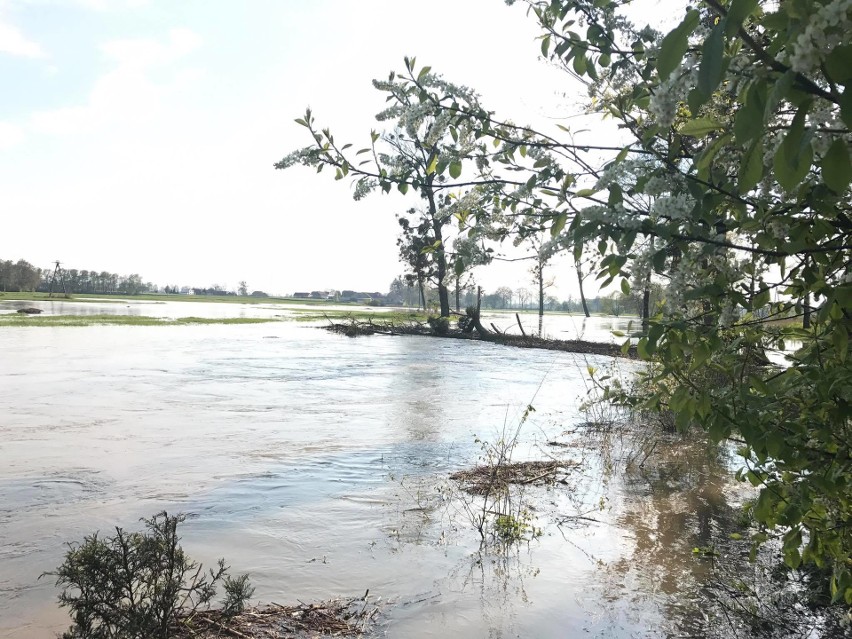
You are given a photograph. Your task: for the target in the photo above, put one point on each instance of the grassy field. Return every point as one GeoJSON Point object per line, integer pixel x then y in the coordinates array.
{"type": "Point", "coordinates": [17, 319]}
{"type": "Point", "coordinates": [396, 317]}
{"type": "Point", "coordinates": [95, 297]}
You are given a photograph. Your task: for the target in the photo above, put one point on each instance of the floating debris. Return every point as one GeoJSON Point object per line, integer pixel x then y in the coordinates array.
{"type": "Point", "coordinates": [334, 618]}
{"type": "Point", "coordinates": [483, 480]}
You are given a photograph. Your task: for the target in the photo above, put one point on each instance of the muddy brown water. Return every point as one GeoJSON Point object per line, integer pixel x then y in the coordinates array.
{"type": "Point", "coordinates": [314, 462]}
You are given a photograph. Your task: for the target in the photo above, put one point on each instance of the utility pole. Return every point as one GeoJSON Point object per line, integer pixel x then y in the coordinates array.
{"type": "Point", "coordinates": [57, 270]}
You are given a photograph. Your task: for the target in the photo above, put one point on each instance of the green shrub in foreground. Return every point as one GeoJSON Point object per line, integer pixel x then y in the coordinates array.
{"type": "Point", "coordinates": [138, 585]}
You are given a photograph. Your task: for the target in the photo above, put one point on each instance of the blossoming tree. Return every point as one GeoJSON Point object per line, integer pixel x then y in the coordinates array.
{"type": "Point", "coordinates": [731, 183]}
{"type": "Point", "coordinates": [737, 153]}
{"type": "Point", "coordinates": [425, 151]}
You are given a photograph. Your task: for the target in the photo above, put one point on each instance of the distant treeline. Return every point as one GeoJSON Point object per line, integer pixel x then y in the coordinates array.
{"type": "Point", "coordinates": [506, 298]}
{"type": "Point", "coordinates": [22, 276]}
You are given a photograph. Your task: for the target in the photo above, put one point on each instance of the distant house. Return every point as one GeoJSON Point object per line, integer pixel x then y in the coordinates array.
{"type": "Point", "coordinates": [302, 295]}
{"type": "Point", "coordinates": [319, 295]}
{"type": "Point", "coordinates": [259, 294]}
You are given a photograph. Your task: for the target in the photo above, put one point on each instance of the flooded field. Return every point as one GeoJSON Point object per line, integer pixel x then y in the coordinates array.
{"type": "Point", "coordinates": [320, 464]}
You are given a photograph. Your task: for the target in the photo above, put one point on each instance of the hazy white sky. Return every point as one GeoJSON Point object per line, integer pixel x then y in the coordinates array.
{"type": "Point", "coordinates": [139, 136]}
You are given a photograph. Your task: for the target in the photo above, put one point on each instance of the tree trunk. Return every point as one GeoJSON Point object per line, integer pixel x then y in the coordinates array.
{"type": "Point", "coordinates": [540, 290]}
{"type": "Point", "coordinates": [646, 308]}
{"type": "Point", "coordinates": [458, 295]}
{"type": "Point", "coordinates": [440, 254]}
{"type": "Point", "coordinates": [582, 294]}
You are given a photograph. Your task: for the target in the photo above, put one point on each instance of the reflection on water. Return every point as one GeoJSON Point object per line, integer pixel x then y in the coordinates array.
{"type": "Point", "coordinates": [313, 461]}
{"type": "Point", "coordinates": [563, 325]}
{"type": "Point", "coordinates": [678, 501]}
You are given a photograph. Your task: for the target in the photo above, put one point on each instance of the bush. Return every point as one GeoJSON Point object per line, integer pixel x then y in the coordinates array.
{"type": "Point", "coordinates": [139, 585]}
{"type": "Point", "coordinates": [441, 325]}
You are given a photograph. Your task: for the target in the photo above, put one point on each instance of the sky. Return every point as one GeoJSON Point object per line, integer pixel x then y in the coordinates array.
{"type": "Point", "coordinates": [139, 136]}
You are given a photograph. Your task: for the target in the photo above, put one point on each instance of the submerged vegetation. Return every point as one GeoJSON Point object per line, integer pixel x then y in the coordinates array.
{"type": "Point", "coordinates": [16, 320]}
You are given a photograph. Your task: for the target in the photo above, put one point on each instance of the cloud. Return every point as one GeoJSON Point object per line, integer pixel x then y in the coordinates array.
{"type": "Point", "coordinates": [144, 53]}
{"type": "Point", "coordinates": [107, 5]}
{"type": "Point", "coordinates": [15, 43]}
{"type": "Point", "coordinates": [10, 135]}
{"type": "Point", "coordinates": [126, 94]}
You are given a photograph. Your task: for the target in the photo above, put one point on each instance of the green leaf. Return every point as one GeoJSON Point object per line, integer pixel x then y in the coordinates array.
{"type": "Point", "coordinates": [751, 168]}
{"type": "Point", "coordinates": [585, 192]}
{"type": "Point", "coordinates": [840, 339]}
{"type": "Point", "coordinates": [748, 122]}
{"type": "Point", "coordinates": [642, 348]}
{"type": "Point", "coordinates": [837, 64]}
{"type": "Point", "coordinates": [675, 44]}
{"type": "Point", "coordinates": [759, 385]}
{"type": "Point", "coordinates": [458, 266]}
{"type": "Point", "coordinates": [580, 64]}
{"type": "Point", "coordinates": [558, 224]}
{"type": "Point", "coordinates": [737, 13]}
{"type": "Point", "coordinates": [622, 154]}
{"type": "Point", "coordinates": [301, 121]}
{"type": "Point", "coordinates": [433, 164]}
{"type": "Point", "coordinates": [455, 169]}
{"type": "Point", "coordinates": [846, 106]}
{"type": "Point", "coordinates": [779, 91]}
{"type": "Point", "coordinates": [706, 158]}
{"type": "Point", "coordinates": [837, 167]}
{"type": "Point", "coordinates": [793, 158]}
{"type": "Point", "coordinates": [616, 196]}
{"type": "Point", "coordinates": [545, 45]}
{"type": "Point", "coordinates": [699, 127]}
{"type": "Point", "coordinates": [423, 72]}
{"type": "Point", "coordinates": [712, 61]}
{"type": "Point", "coordinates": [625, 286]}
{"type": "Point", "coordinates": [764, 507]}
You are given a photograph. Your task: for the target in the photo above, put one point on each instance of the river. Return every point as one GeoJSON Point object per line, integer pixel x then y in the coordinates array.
{"type": "Point", "coordinates": [315, 462]}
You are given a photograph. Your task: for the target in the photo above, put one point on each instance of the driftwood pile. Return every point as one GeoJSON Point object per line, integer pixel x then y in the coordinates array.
{"type": "Point", "coordinates": [355, 328]}
{"type": "Point", "coordinates": [483, 480]}
{"type": "Point", "coordinates": [335, 618]}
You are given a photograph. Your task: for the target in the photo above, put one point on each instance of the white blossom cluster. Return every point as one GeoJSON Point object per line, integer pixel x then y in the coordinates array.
{"type": "Point", "coordinates": [671, 92]}
{"type": "Point", "coordinates": [410, 118]}
{"type": "Point", "coordinates": [693, 269]}
{"type": "Point", "coordinates": [642, 266]}
{"type": "Point", "coordinates": [827, 28]}
{"type": "Point", "coordinates": [825, 123]}
{"type": "Point", "coordinates": [610, 175]}
{"type": "Point", "coordinates": [728, 314]}
{"type": "Point", "coordinates": [465, 203]}
{"type": "Point", "coordinates": [673, 207]}
{"type": "Point", "coordinates": [778, 229]}
{"type": "Point", "coordinates": [306, 156]}
{"type": "Point", "coordinates": [613, 215]}
{"type": "Point", "coordinates": [363, 187]}
{"type": "Point", "coordinates": [437, 128]}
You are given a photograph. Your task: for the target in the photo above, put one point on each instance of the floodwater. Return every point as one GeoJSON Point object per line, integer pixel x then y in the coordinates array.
{"type": "Point", "coordinates": [316, 462]}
